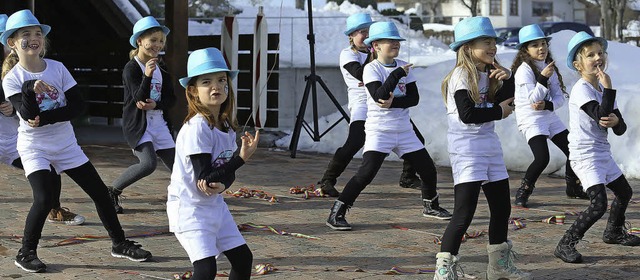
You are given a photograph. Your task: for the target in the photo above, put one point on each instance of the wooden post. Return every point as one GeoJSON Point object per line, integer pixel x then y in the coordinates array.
{"type": "Point", "coordinates": [229, 48]}
{"type": "Point", "coordinates": [177, 16]}
{"type": "Point", "coordinates": [259, 106]}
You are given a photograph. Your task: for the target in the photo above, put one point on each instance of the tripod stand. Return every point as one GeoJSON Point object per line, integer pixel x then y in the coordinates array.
{"type": "Point", "coordinates": [311, 88]}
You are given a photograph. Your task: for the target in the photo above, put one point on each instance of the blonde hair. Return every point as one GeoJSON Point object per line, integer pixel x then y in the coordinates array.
{"type": "Point", "coordinates": [12, 59]}
{"type": "Point", "coordinates": [144, 34]}
{"type": "Point", "coordinates": [465, 61]}
{"type": "Point", "coordinates": [225, 117]}
{"type": "Point", "coordinates": [580, 53]}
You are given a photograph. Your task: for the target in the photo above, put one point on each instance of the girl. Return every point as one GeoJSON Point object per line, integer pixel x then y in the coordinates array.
{"type": "Point", "coordinates": [9, 153]}
{"type": "Point", "coordinates": [592, 111]}
{"type": "Point", "coordinates": [206, 166]}
{"type": "Point", "coordinates": [148, 95]}
{"type": "Point", "coordinates": [539, 92]}
{"type": "Point", "coordinates": [391, 91]}
{"type": "Point", "coordinates": [353, 59]}
{"type": "Point", "coordinates": [477, 92]}
{"type": "Point", "coordinates": [43, 94]}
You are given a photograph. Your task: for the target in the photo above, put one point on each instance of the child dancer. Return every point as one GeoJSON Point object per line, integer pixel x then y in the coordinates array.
{"type": "Point", "coordinates": [477, 92]}
{"type": "Point", "coordinates": [148, 95]}
{"type": "Point", "coordinates": [43, 93]}
{"type": "Point", "coordinates": [206, 166]}
{"type": "Point", "coordinates": [592, 111]}
{"type": "Point", "coordinates": [352, 62]}
{"type": "Point", "coordinates": [9, 153]}
{"type": "Point", "coordinates": [539, 92]}
{"type": "Point", "coordinates": [391, 91]}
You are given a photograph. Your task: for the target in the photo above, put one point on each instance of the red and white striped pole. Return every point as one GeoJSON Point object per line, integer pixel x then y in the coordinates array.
{"type": "Point", "coordinates": [229, 48]}
{"type": "Point", "coordinates": [259, 106]}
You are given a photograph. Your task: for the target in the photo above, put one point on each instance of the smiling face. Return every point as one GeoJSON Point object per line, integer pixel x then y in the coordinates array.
{"type": "Point", "coordinates": [387, 48]}
{"type": "Point", "coordinates": [211, 90]}
{"type": "Point", "coordinates": [358, 37]}
{"type": "Point", "coordinates": [27, 41]}
{"type": "Point", "coordinates": [590, 56]}
{"type": "Point", "coordinates": [483, 51]}
{"type": "Point", "coordinates": [538, 49]}
{"type": "Point", "coordinates": [150, 44]}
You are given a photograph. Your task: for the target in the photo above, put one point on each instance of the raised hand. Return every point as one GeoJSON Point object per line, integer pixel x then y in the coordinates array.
{"type": "Point", "coordinates": [407, 67]}
{"type": "Point", "coordinates": [548, 70]}
{"type": "Point", "coordinates": [499, 72]}
{"type": "Point", "coordinates": [603, 78]}
{"type": "Point", "coordinates": [150, 66]}
{"type": "Point", "coordinates": [249, 145]}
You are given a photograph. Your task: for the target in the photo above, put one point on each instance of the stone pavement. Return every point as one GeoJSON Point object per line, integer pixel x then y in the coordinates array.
{"type": "Point", "coordinates": [368, 252]}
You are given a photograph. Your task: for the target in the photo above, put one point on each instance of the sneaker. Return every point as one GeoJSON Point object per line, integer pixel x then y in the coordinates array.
{"type": "Point", "coordinates": [115, 199]}
{"type": "Point", "coordinates": [62, 215]}
{"type": "Point", "coordinates": [29, 261]}
{"type": "Point", "coordinates": [432, 209]}
{"type": "Point", "coordinates": [410, 181]}
{"type": "Point", "coordinates": [130, 250]}
{"type": "Point", "coordinates": [619, 235]}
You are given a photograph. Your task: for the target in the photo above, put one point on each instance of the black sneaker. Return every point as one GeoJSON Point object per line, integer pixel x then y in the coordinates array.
{"type": "Point", "coordinates": [115, 199]}
{"type": "Point", "coordinates": [29, 261]}
{"type": "Point", "coordinates": [619, 235]}
{"type": "Point", "coordinates": [130, 250]}
{"type": "Point", "coordinates": [432, 209]}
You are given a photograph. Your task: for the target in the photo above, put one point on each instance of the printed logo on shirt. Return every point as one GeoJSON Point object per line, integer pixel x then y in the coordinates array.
{"type": "Point", "coordinates": [222, 158]}
{"type": "Point", "coordinates": [156, 89]}
{"type": "Point", "coordinates": [49, 100]}
{"type": "Point", "coordinates": [483, 99]}
{"type": "Point", "coordinates": [401, 88]}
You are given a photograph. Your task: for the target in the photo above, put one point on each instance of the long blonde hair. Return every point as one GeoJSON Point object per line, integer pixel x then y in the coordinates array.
{"type": "Point", "coordinates": [144, 34]}
{"type": "Point", "coordinates": [465, 61]}
{"type": "Point", "coordinates": [12, 59]}
{"type": "Point", "coordinates": [225, 117]}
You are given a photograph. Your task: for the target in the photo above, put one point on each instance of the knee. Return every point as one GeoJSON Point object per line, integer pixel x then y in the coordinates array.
{"type": "Point", "coordinates": [542, 158]}
{"type": "Point", "coordinates": [148, 166]}
{"type": "Point", "coordinates": [598, 199]}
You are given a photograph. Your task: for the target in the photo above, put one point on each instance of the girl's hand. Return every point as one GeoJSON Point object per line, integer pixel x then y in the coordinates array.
{"type": "Point", "coordinates": [249, 145]}
{"type": "Point", "coordinates": [548, 71]}
{"type": "Point", "coordinates": [150, 104]}
{"type": "Point", "coordinates": [210, 189]}
{"type": "Point", "coordinates": [6, 108]}
{"type": "Point", "coordinates": [538, 106]}
{"type": "Point", "coordinates": [407, 67]}
{"type": "Point", "coordinates": [35, 122]}
{"type": "Point", "coordinates": [610, 121]}
{"type": "Point", "coordinates": [506, 108]}
{"type": "Point", "coordinates": [499, 72]}
{"type": "Point", "coordinates": [385, 103]}
{"type": "Point", "coordinates": [150, 66]}
{"type": "Point", "coordinates": [603, 78]}
{"type": "Point", "coordinates": [41, 87]}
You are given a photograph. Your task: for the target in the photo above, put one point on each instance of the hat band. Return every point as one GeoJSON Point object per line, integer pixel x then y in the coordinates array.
{"type": "Point", "coordinates": [208, 65]}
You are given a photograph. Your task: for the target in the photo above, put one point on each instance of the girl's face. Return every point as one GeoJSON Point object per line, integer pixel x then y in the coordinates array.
{"type": "Point", "coordinates": [590, 57]}
{"type": "Point", "coordinates": [538, 49]}
{"type": "Point", "coordinates": [152, 44]}
{"type": "Point", "coordinates": [359, 36]}
{"type": "Point", "coordinates": [483, 51]}
{"type": "Point", "coordinates": [387, 48]}
{"type": "Point", "coordinates": [27, 41]}
{"type": "Point", "coordinates": [212, 89]}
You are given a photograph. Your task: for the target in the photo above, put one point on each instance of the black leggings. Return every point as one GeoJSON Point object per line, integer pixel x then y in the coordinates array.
{"type": "Point", "coordinates": [598, 206]}
{"type": "Point", "coordinates": [241, 260]}
{"type": "Point", "coordinates": [56, 183]}
{"type": "Point", "coordinates": [148, 162]}
{"type": "Point", "coordinates": [371, 163]}
{"type": "Point", "coordinates": [540, 149]}
{"type": "Point", "coordinates": [88, 179]}
{"type": "Point", "coordinates": [465, 203]}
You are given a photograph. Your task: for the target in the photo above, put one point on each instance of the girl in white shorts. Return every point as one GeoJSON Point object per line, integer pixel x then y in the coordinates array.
{"type": "Point", "coordinates": [205, 166]}
{"type": "Point", "coordinates": [592, 112]}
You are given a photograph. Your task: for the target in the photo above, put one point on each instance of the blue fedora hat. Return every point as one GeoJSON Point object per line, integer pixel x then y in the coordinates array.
{"type": "Point", "coordinates": [143, 25]}
{"type": "Point", "coordinates": [383, 30]}
{"type": "Point", "coordinates": [530, 33]}
{"type": "Point", "coordinates": [205, 61]}
{"type": "Point", "coordinates": [472, 28]}
{"type": "Point", "coordinates": [357, 22]}
{"type": "Point", "coordinates": [20, 19]}
{"type": "Point", "coordinates": [3, 22]}
{"type": "Point", "coordinates": [577, 41]}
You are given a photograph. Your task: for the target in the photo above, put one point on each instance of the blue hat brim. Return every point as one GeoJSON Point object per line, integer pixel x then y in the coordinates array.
{"type": "Point", "coordinates": [571, 56]}
{"type": "Point", "coordinates": [537, 38]}
{"type": "Point", "coordinates": [456, 45]}
{"type": "Point", "coordinates": [134, 37]}
{"type": "Point", "coordinates": [370, 40]}
{"type": "Point", "coordinates": [361, 26]}
{"type": "Point", "coordinates": [232, 74]}
{"type": "Point", "coordinates": [7, 33]}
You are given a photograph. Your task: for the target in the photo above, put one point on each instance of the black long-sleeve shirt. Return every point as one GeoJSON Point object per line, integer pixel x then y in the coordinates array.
{"type": "Point", "coordinates": [468, 112]}
{"type": "Point", "coordinates": [25, 103]}
{"type": "Point", "coordinates": [379, 90]}
{"type": "Point", "coordinates": [226, 174]}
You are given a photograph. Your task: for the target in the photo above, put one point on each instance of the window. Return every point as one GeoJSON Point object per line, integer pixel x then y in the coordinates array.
{"type": "Point", "coordinates": [495, 7]}
{"type": "Point", "coordinates": [513, 7]}
{"type": "Point", "coordinates": [541, 9]}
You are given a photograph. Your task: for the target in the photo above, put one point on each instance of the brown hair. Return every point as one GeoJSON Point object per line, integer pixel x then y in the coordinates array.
{"type": "Point", "coordinates": [523, 57]}
{"type": "Point", "coordinates": [144, 34]}
{"type": "Point", "coordinates": [12, 59]}
{"type": "Point", "coordinates": [225, 117]}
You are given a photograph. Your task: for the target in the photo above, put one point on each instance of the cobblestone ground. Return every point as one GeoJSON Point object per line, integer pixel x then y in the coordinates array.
{"type": "Point", "coordinates": [368, 252]}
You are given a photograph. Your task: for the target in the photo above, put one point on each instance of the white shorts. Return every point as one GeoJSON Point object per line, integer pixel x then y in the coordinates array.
{"type": "Point", "coordinates": [593, 172]}
{"type": "Point", "coordinates": [69, 157]}
{"type": "Point", "coordinates": [476, 168]}
{"type": "Point", "coordinates": [550, 130]}
{"type": "Point", "coordinates": [201, 244]}
{"type": "Point", "coordinates": [8, 150]}
{"type": "Point", "coordinates": [157, 132]}
{"type": "Point", "coordinates": [387, 142]}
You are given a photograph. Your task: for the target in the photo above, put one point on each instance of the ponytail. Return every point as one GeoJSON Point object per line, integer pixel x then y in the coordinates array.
{"type": "Point", "coordinates": [9, 62]}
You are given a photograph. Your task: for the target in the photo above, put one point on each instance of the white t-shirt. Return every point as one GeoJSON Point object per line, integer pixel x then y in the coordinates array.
{"type": "Point", "coordinates": [529, 91]}
{"type": "Point", "coordinates": [587, 139]}
{"type": "Point", "coordinates": [156, 81]}
{"type": "Point", "coordinates": [470, 139]}
{"type": "Point", "coordinates": [356, 93]}
{"type": "Point", "coordinates": [52, 137]}
{"type": "Point", "coordinates": [187, 207]}
{"type": "Point", "coordinates": [386, 119]}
